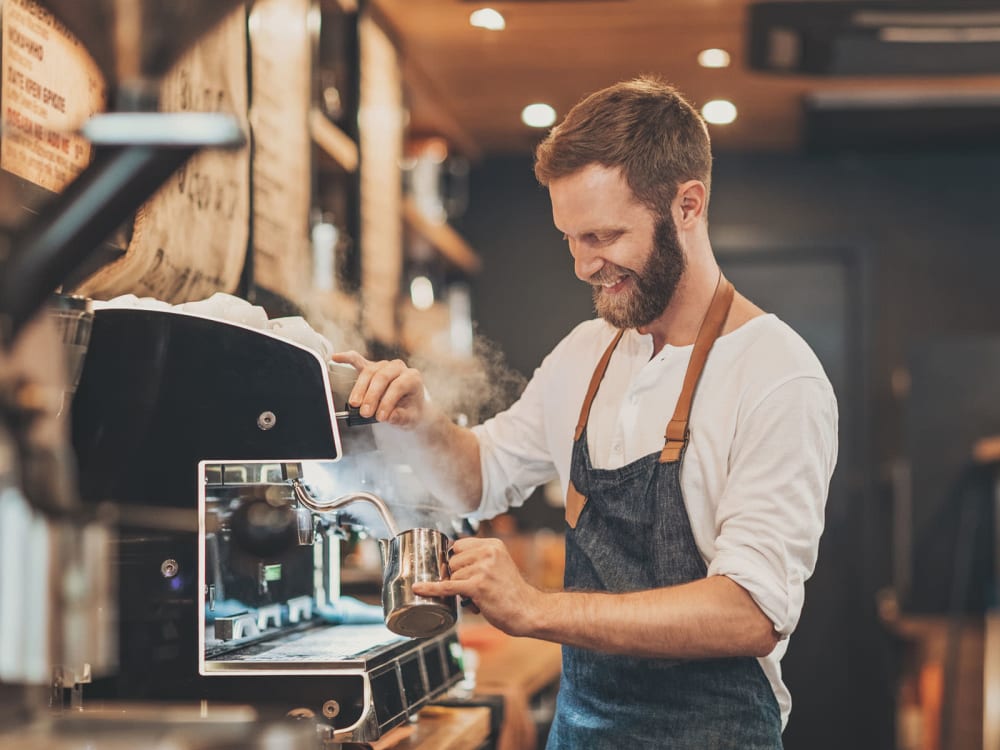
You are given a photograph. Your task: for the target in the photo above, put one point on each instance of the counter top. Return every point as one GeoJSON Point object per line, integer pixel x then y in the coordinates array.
{"type": "Point", "coordinates": [526, 664]}
{"type": "Point", "coordinates": [437, 728]}
{"type": "Point", "coordinates": [516, 668]}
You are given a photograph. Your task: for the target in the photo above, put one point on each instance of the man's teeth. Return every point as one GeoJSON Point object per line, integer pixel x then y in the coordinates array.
{"type": "Point", "coordinates": [609, 284]}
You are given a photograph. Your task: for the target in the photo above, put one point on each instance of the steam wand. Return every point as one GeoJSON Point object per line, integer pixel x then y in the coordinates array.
{"type": "Point", "coordinates": [310, 502]}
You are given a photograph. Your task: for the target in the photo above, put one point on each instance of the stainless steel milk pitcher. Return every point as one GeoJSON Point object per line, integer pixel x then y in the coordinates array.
{"type": "Point", "coordinates": [411, 556]}
{"type": "Point", "coordinates": [407, 557]}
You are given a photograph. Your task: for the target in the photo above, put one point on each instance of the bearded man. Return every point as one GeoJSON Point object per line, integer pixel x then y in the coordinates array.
{"type": "Point", "coordinates": [692, 523]}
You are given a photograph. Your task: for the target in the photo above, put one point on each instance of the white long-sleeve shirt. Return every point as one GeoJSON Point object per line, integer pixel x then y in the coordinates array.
{"type": "Point", "coordinates": [755, 473]}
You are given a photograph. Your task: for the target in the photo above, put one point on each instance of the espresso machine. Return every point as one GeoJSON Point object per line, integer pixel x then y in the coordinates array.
{"type": "Point", "coordinates": [223, 449]}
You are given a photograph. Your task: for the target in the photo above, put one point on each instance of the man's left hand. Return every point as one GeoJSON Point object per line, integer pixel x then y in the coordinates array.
{"type": "Point", "coordinates": [483, 571]}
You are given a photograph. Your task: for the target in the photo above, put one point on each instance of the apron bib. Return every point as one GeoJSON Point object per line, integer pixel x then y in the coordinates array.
{"type": "Point", "coordinates": [628, 530]}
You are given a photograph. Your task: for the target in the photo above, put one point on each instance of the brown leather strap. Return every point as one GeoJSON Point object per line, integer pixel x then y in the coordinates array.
{"type": "Point", "coordinates": [595, 383]}
{"type": "Point", "coordinates": [574, 504]}
{"type": "Point", "coordinates": [711, 327]}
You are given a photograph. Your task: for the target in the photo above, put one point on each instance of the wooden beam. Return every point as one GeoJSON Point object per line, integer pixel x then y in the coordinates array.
{"type": "Point", "coordinates": [424, 93]}
{"type": "Point", "coordinates": [334, 142]}
{"type": "Point", "coordinates": [443, 237]}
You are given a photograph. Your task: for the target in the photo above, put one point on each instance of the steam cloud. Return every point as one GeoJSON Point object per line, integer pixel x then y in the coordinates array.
{"type": "Point", "coordinates": [476, 388]}
{"type": "Point", "coordinates": [388, 462]}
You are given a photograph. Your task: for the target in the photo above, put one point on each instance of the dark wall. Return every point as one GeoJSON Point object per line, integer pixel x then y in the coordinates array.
{"type": "Point", "coordinates": [922, 235]}
{"type": "Point", "coordinates": [929, 225]}
{"type": "Point", "coordinates": [527, 297]}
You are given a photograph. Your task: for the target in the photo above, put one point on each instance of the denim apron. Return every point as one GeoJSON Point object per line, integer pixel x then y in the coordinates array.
{"type": "Point", "coordinates": [628, 530]}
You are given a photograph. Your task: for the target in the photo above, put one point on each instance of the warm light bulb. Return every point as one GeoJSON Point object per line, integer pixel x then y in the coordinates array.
{"type": "Point", "coordinates": [538, 115]}
{"type": "Point", "coordinates": [487, 18]}
{"type": "Point", "coordinates": [422, 293]}
{"type": "Point", "coordinates": [713, 58]}
{"type": "Point", "coordinates": [719, 112]}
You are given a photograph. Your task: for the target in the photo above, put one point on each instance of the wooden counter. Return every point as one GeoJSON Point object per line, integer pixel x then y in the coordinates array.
{"type": "Point", "coordinates": [517, 669]}
{"type": "Point", "coordinates": [920, 690]}
{"type": "Point", "coordinates": [526, 664]}
{"type": "Point", "coordinates": [437, 728]}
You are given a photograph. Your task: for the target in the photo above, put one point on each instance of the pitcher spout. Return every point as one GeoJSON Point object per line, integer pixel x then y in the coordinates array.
{"type": "Point", "coordinates": [384, 548]}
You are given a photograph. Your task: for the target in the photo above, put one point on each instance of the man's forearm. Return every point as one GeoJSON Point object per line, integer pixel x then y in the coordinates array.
{"type": "Point", "coordinates": [714, 617]}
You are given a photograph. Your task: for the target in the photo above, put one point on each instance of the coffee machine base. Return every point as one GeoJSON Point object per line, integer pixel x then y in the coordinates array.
{"type": "Point", "coordinates": [359, 696]}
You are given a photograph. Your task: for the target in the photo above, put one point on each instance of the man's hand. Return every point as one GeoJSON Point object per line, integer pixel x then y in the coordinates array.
{"type": "Point", "coordinates": [390, 390]}
{"type": "Point", "coordinates": [482, 570]}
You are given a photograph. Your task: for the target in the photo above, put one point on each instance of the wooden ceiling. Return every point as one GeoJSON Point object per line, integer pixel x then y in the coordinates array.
{"type": "Point", "coordinates": [470, 84]}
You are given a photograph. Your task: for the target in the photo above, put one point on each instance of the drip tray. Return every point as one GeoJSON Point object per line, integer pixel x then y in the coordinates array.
{"type": "Point", "coordinates": [333, 646]}
{"type": "Point", "coordinates": [364, 679]}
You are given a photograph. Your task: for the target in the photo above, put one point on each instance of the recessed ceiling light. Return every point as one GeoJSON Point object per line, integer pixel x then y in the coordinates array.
{"type": "Point", "coordinates": [719, 112]}
{"type": "Point", "coordinates": [713, 58]}
{"type": "Point", "coordinates": [538, 115]}
{"type": "Point", "coordinates": [487, 18]}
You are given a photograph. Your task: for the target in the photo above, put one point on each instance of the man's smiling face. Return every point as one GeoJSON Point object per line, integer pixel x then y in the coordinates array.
{"type": "Point", "coordinates": [630, 255]}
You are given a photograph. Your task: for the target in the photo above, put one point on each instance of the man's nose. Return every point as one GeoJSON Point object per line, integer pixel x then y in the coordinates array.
{"type": "Point", "coordinates": [585, 263]}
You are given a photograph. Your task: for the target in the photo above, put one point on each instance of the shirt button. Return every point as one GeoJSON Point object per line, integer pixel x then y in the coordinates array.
{"type": "Point", "coordinates": [617, 447]}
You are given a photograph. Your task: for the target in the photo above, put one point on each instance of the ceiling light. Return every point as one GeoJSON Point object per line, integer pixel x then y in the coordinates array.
{"type": "Point", "coordinates": [713, 58]}
{"type": "Point", "coordinates": [487, 18]}
{"type": "Point", "coordinates": [538, 115]}
{"type": "Point", "coordinates": [719, 112]}
{"type": "Point", "coordinates": [422, 293]}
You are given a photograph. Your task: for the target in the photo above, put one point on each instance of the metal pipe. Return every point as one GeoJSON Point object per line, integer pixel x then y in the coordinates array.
{"type": "Point", "coordinates": [303, 496]}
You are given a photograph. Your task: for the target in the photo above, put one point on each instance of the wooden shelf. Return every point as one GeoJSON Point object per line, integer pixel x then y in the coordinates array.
{"type": "Point", "coordinates": [333, 141]}
{"type": "Point", "coordinates": [449, 242]}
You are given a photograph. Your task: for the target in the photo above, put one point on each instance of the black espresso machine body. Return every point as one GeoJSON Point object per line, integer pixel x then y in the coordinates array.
{"type": "Point", "coordinates": [172, 412]}
{"type": "Point", "coordinates": [162, 390]}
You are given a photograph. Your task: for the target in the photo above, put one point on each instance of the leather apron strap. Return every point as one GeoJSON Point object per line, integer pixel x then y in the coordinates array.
{"type": "Point", "coordinates": [676, 436]}
{"type": "Point", "coordinates": [595, 383]}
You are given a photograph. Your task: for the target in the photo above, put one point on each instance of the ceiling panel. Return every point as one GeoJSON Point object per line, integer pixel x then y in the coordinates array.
{"type": "Point", "coordinates": [557, 51]}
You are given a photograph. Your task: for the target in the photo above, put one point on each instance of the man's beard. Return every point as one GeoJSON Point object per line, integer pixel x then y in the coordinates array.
{"type": "Point", "coordinates": [654, 285]}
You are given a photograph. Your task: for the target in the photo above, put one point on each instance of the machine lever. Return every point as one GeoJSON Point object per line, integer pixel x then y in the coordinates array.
{"type": "Point", "coordinates": [353, 417]}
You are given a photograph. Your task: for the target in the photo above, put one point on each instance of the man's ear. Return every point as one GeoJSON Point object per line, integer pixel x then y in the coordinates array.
{"type": "Point", "coordinates": [691, 201]}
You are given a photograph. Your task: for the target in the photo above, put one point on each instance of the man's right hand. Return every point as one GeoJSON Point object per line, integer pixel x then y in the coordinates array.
{"type": "Point", "coordinates": [389, 390]}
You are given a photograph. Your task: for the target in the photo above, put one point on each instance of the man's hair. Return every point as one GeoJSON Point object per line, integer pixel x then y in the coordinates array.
{"type": "Point", "coordinates": [645, 127]}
